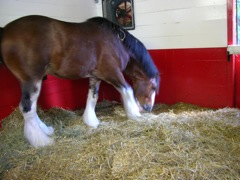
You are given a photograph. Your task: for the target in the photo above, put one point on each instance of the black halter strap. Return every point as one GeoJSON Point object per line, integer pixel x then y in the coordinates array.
{"type": "Point", "coordinates": [121, 34]}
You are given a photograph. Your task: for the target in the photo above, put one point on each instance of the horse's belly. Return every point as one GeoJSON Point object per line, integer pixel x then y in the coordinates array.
{"type": "Point", "coordinates": [73, 72]}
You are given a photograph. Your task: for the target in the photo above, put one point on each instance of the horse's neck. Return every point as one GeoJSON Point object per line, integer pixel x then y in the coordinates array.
{"type": "Point", "coordinates": [134, 72]}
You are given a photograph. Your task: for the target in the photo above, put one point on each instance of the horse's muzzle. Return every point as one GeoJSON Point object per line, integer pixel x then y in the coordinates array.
{"type": "Point", "coordinates": [147, 108]}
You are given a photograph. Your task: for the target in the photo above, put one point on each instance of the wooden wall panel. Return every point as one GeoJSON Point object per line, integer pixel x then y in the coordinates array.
{"type": "Point", "coordinates": [175, 24]}
{"type": "Point", "coordinates": [70, 10]}
{"type": "Point", "coordinates": [160, 24]}
{"type": "Point", "coordinates": [201, 76]}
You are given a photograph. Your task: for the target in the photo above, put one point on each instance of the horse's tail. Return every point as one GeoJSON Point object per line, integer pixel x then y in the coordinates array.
{"type": "Point", "coordinates": [1, 34]}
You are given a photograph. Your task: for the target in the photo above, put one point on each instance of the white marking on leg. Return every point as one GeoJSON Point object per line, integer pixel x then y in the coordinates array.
{"type": "Point", "coordinates": [130, 105]}
{"type": "Point", "coordinates": [89, 115]}
{"type": "Point", "coordinates": [46, 129]}
{"type": "Point", "coordinates": [32, 131]}
{"type": "Point", "coordinates": [153, 99]}
{"type": "Point", "coordinates": [32, 126]}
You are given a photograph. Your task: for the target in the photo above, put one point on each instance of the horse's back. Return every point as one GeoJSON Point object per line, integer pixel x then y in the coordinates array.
{"type": "Point", "coordinates": [38, 45]}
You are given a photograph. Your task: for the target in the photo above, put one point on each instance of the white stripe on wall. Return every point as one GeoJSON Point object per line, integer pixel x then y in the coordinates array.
{"type": "Point", "coordinates": [160, 24]}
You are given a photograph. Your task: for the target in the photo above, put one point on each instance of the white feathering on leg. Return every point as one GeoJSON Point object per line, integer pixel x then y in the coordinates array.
{"type": "Point", "coordinates": [130, 105]}
{"type": "Point", "coordinates": [89, 115]}
{"type": "Point", "coordinates": [32, 131]}
{"type": "Point", "coordinates": [35, 131]}
{"type": "Point", "coordinates": [48, 130]}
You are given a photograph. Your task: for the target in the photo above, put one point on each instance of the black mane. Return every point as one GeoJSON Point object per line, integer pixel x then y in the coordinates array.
{"type": "Point", "coordinates": [137, 49]}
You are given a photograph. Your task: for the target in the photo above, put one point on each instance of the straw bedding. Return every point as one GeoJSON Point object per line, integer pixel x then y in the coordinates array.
{"type": "Point", "coordinates": [181, 141]}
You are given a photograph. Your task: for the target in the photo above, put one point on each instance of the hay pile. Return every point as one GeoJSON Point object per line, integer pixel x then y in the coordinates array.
{"type": "Point", "coordinates": [175, 142]}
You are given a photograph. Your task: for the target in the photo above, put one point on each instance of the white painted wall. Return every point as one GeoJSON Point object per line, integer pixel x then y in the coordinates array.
{"type": "Point", "coordinates": [68, 10]}
{"type": "Point", "coordinates": [167, 24]}
{"type": "Point", "coordinates": [160, 24]}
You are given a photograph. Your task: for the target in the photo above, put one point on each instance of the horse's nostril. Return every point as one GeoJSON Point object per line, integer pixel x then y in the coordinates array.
{"type": "Point", "coordinates": [147, 108]}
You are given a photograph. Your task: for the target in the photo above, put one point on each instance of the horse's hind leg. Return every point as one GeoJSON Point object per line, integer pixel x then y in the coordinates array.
{"type": "Point", "coordinates": [46, 129]}
{"type": "Point", "coordinates": [35, 131]}
{"type": "Point", "coordinates": [89, 115]}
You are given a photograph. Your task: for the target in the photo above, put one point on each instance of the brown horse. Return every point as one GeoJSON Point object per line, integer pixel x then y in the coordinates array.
{"type": "Point", "coordinates": [34, 46]}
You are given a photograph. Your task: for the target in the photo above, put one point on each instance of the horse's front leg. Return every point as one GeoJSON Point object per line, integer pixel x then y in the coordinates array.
{"type": "Point", "coordinates": [130, 105]}
{"type": "Point", "coordinates": [89, 115]}
{"type": "Point", "coordinates": [129, 102]}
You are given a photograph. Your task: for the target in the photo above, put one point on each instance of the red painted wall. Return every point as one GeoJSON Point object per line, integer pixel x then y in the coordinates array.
{"type": "Point", "coordinates": [69, 94]}
{"type": "Point", "coordinates": [9, 92]}
{"type": "Point", "coordinates": [232, 39]}
{"type": "Point", "coordinates": [199, 76]}
{"type": "Point", "coordinates": [237, 82]}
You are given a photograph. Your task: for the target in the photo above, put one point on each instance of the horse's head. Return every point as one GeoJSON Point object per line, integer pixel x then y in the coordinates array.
{"type": "Point", "coordinates": [145, 91]}
{"type": "Point", "coordinates": [142, 71]}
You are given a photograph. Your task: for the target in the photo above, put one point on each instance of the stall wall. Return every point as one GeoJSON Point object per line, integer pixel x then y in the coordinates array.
{"type": "Point", "coordinates": [187, 40]}
{"type": "Point", "coordinates": [237, 82]}
{"type": "Point", "coordinates": [178, 24]}
{"type": "Point", "coordinates": [68, 10]}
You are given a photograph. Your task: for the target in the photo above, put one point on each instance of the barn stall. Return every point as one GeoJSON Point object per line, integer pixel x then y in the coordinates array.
{"type": "Point", "coordinates": [188, 41]}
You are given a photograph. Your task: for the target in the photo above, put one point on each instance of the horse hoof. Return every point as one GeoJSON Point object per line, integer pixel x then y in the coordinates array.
{"type": "Point", "coordinates": [90, 119]}
{"type": "Point", "coordinates": [135, 117]}
{"type": "Point", "coordinates": [49, 131]}
{"type": "Point", "coordinates": [47, 142]}
{"type": "Point", "coordinates": [36, 136]}
{"type": "Point", "coordinates": [44, 141]}
{"type": "Point", "coordinates": [93, 124]}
